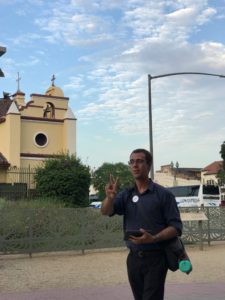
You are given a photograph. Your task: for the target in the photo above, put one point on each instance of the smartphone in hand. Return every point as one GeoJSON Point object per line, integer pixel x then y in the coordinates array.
{"type": "Point", "coordinates": [128, 233]}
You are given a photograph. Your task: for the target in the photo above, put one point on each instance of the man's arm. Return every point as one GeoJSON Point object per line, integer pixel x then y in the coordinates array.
{"type": "Point", "coordinates": [166, 234]}
{"type": "Point", "coordinates": [107, 206]}
{"type": "Point", "coordinates": [146, 238]}
{"type": "Point", "coordinates": [111, 191]}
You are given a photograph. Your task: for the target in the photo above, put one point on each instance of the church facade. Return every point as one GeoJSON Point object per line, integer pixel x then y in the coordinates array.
{"type": "Point", "coordinates": [33, 131]}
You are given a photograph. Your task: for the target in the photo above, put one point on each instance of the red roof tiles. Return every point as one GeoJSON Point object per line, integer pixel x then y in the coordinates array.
{"type": "Point", "coordinates": [213, 168]}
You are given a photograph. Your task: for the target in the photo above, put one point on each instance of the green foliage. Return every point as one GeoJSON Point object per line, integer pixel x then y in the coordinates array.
{"type": "Point", "coordinates": [64, 178]}
{"type": "Point", "coordinates": [27, 230]}
{"type": "Point", "coordinates": [101, 177]}
{"type": "Point", "coordinates": [222, 153]}
{"type": "Point", "coordinates": [221, 177]}
{"type": "Point", "coordinates": [221, 173]}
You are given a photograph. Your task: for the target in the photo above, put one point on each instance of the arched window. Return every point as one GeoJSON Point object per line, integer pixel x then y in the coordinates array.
{"type": "Point", "coordinates": [49, 111]}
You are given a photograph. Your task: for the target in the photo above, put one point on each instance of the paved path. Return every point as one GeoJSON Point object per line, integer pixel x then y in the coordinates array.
{"type": "Point", "coordinates": [57, 277]}
{"type": "Point", "coordinates": [181, 291]}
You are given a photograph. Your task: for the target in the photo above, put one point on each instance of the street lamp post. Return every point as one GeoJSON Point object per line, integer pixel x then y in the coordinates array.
{"type": "Point", "coordinates": [175, 171]}
{"type": "Point", "coordinates": [150, 78]}
{"type": "Point", "coordinates": [2, 51]}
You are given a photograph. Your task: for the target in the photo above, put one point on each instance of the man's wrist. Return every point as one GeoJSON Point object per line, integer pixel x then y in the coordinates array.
{"type": "Point", "coordinates": [111, 197]}
{"type": "Point", "coordinates": [156, 238]}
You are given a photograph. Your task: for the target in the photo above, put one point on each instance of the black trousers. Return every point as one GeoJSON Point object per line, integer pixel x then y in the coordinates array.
{"type": "Point", "coordinates": [147, 274]}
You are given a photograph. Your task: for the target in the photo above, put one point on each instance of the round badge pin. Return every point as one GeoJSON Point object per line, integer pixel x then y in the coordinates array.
{"type": "Point", "coordinates": [135, 198]}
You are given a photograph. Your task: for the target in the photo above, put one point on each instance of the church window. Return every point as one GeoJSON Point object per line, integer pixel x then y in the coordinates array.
{"type": "Point", "coordinates": [41, 139]}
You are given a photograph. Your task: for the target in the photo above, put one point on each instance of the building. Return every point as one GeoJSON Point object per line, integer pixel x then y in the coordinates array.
{"type": "Point", "coordinates": [209, 173]}
{"type": "Point", "coordinates": [32, 131]}
{"type": "Point", "coordinates": [169, 176]}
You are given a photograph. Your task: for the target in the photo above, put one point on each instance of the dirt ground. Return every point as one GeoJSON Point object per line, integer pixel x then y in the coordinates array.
{"type": "Point", "coordinates": [98, 268]}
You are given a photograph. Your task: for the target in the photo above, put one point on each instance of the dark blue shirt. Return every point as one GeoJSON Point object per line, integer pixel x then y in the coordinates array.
{"type": "Point", "coordinates": [159, 210]}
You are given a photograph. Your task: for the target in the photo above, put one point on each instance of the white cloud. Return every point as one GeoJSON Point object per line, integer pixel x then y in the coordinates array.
{"type": "Point", "coordinates": [31, 61]}
{"type": "Point", "coordinates": [75, 27]}
{"type": "Point", "coordinates": [123, 83]}
{"type": "Point", "coordinates": [214, 54]}
{"type": "Point", "coordinates": [113, 45]}
{"type": "Point", "coordinates": [12, 66]}
{"type": "Point", "coordinates": [25, 39]}
{"type": "Point", "coordinates": [203, 115]}
{"type": "Point", "coordinates": [183, 16]}
{"type": "Point", "coordinates": [206, 15]}
{"type": "Point", "coordinates": [76, 82]}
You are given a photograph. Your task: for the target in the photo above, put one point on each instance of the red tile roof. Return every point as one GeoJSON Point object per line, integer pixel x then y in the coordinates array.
{"type": "Point", "coordinates": [213, 168]}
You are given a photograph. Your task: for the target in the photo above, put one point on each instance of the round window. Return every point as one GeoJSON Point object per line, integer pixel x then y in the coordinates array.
{"type": "Point", "coordinates": [41, 139]}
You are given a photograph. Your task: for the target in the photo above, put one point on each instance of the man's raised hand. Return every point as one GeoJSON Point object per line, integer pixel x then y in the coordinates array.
{"type": "Point", "coordinates": [111, 187]}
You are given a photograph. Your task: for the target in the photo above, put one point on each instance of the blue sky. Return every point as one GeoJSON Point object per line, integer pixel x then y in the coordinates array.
{"type": "Point", "coordinates": [101, 52]}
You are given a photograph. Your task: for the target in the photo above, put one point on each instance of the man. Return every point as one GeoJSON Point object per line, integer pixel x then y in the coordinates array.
{"type": "Point", "coordinates": [151, 210]}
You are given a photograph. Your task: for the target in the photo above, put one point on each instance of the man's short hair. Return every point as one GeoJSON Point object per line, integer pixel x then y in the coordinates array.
{"type": "Point", "coordinates": [148, 155]}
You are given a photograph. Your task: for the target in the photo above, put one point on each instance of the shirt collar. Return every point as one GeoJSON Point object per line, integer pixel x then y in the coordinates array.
{"type": "Point", "coordinates": [150, 186]}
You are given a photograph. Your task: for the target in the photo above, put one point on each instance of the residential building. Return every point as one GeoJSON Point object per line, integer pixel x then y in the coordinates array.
{"type": "Point", "coordinates": [209, 173]}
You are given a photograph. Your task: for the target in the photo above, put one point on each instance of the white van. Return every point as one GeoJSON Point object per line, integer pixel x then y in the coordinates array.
{"type": "Point", "coordinates": [196, 195]}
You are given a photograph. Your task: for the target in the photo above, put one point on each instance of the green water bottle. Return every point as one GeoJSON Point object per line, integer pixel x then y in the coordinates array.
{"type": "Point", "coordinates": [185, 266]}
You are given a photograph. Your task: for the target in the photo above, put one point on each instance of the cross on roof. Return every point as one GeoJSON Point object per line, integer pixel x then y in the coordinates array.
{"type": "Point", "coordinates": [53, 80]}
{"type": "Point", "coordinates": [18, 81]}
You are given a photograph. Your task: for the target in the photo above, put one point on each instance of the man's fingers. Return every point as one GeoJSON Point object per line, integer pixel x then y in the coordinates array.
{"type": "Point", "coordinates": [112, 180]}
{"type": "Point", "coordinates": [116, 182]}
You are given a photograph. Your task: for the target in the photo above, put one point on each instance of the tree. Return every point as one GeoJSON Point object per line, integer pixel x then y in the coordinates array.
{"type": "Point", "coordinates": [64, 178]}
{"type": "Point", "coordinates": [222, 153]}
{"type": "Point", "coordinates": [101, 177]}
{"type": "Point", "coordinates": [221, 173]}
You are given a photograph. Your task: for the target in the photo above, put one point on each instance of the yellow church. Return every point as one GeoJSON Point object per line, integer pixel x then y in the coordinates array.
{"type": "Point", "coordinates": [33, 131]}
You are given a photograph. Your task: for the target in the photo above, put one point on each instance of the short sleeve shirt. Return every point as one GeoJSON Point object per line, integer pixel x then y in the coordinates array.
{"type": "Point", "coordinates": [158, 206]}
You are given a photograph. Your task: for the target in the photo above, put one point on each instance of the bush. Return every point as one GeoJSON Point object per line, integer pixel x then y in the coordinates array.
{"type": "Point", "coordinates": [64, 178]}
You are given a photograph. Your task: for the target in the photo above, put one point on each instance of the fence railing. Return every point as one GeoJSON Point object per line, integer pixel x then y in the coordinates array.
{"type": "Point", "coordinates": [45, 230]}
{"type": "Point", "coordinates": [20, 184]}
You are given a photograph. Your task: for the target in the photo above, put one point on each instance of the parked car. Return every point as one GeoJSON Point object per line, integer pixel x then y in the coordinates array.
{"type": "Point", "coordinates": [95, 204]}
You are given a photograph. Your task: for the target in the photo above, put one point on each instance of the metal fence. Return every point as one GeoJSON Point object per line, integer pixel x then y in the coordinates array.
{"type": "Point", "coordinates": [20, 184]}
{"type": "Point", "coordinates": [44, 230]}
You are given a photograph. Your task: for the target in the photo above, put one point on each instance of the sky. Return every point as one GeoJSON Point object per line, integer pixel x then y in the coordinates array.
{"type": "Point", "coordinates": [101, 53]}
